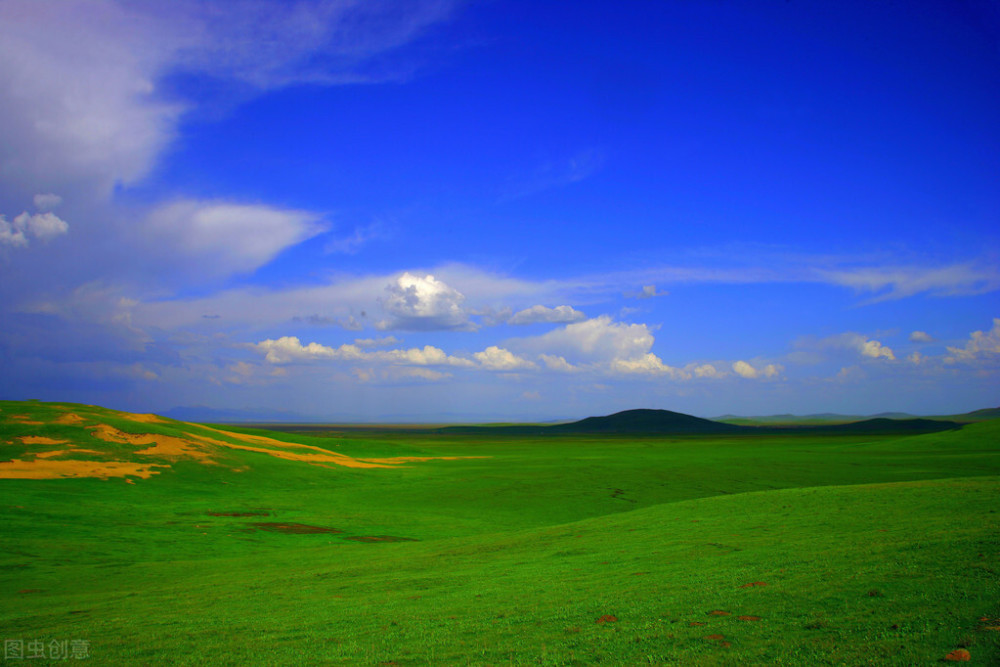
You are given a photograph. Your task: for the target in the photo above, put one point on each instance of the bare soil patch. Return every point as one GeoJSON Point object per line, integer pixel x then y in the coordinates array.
{"type": "Point", "coordinates": [715, 638]}
{"type": "Point", "coordinates": [607, 618]}
{"type": "Point", "coordinates": [748, 618]}
{"type": "Point", "coordinates": [718, 612]}
{"type": "Point", "coordinates": [55, 469]}
{"type": "Point", "coordinates": [70, 418]}
{"type": "Point", "coordinates": [754, 583]}
{"type": "Point", "coordinates": [25, 419]}
{"type": "Point", "coordinates": [293, 528]}
{"type": "Point", "coordinates": [958, 655]}
{"type": "Point", "coordinates": [144, 418]}
{"type": "Point", "coordinates": [41, 440]}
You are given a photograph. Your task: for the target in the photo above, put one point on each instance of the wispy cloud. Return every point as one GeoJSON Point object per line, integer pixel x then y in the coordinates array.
{"type": "Point", "coordinates": [554, 174]}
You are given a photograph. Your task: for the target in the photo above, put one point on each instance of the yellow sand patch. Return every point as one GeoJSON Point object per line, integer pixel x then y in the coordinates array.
{"type": "Point", "coordinates": [163, 445]}
{"type": "Point", "coordinates": [170, 446]}
{"type": "Point", "coordinates": [315, 459]}
{"type": "Point", "coordinates": [60, 452]}
{"type": "Point", "coordinates": [144, 418]}
{"type": "Point", "coordinates": [40, 440]}
{"type": "Point", "coordinates": [70, 418]}
{"type": "Point", "coordinates": [324, 455]}
{"type": "Point", "coordinates": [24, 419]}
{"type": "Point", "coordinates": [45, 469]}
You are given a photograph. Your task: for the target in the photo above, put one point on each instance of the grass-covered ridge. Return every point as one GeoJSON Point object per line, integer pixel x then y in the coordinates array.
{"type": "Point", "coordinates": [875, 549]}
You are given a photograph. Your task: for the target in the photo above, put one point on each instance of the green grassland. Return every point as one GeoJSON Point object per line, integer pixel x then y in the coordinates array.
{"type": "Point", "coordinates": [811, 549]}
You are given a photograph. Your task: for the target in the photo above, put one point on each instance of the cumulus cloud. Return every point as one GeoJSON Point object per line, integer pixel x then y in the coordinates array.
{"type": "Point", "coordinates": [811, 350]}
{"type": "Point", "coordinates": [423, 303]}
{"type": "Point", "coordinates": [648, 364]}
{"type": "Point", "coordinates": [705, 371]}
{"type": "Point", "coordinates": [289, 349]}
{"type": "Point", "coordinates": [498, 359]}
{"type": "Point", "coordinates": [982, 345]}
{"type": "Point", "coordinates": [537, 314]}
{"type": "Point", "coordinates": [556, 363]}
{"type": "Point", "coordinates": [595, 340]}
{"type": "Point", "coordinates": [875, 349]}
{"type": "Point", "coordinates": [27, 226]}
{"type": "Point", "coordinates": [921, 337]}
{"type": "Point", "coordinates": [233, 237]}
{"type": "Point", "coordinates": [746, 370]}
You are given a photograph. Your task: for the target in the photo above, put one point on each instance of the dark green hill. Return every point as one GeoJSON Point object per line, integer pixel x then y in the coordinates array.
{"type": "Point", "coordinates": [642, 422]}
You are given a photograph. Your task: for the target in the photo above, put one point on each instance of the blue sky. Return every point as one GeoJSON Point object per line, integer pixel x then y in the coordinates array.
{"type": "Point", "coordinates": [501, 210]}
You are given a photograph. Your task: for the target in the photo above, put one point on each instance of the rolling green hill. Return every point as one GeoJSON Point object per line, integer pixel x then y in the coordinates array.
{"type": "Point", "coordinates": [164, 542]}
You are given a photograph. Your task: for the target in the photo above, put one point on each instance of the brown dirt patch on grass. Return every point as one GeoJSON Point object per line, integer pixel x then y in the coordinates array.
{"type": "Point", "coordinates": [694, 624]}
{"type": "Point", "coordinates": [754, 583]}
{"type": "Point", "coordinates": [64, 452]}
{"type": "Point", "coordinates": [41, 440]}
{"type": "Point", "coordinates": [293, 528]}
{"type": "Point", "coordinates": [715, 638]}
{"type": "Point", "coordinates": [143, 418]}
{"type": "Point", "coordinates": [25, 419]}
{"type": "Point", "coordinates": [748, 618]}
{"type": "Point", "coordinates": [380, 538]}
{"type": "Point", "coordinates": [718, 612]}
{"type": "Point", "coordinates": [50, 469]}
{"type": "Point", "coordinates": [70, 418]}
{"type": "Point", "coordinates": [167, 446]}
{"type": "Point", "coordinates": [958, 655]}
{"type": "Point", "coordinates": [607, 618]}
{"type": "Point", "coordinates": [320, 456]}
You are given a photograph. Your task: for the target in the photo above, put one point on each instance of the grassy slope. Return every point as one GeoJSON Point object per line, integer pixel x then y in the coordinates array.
{"type": "Point", "coordinates": [520, 553]}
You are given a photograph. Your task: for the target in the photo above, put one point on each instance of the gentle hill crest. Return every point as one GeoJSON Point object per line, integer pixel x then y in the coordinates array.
{"type": "Point", "coordinates": [645, 421]}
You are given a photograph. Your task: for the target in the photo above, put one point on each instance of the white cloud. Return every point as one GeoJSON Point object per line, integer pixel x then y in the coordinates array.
{"type": "Point", "coordinates": [231, 237]}
{"type": "Point", "coordinates": [921, 337]}
{"type": "Point", "coordinates": [904, 281]}
{"type": "Point", "coordinates": [649, 364]}
{"type": "Point", "coordinates": [423, 303]}
{"type": "Point", "coordinates": [557, 363]}
{"type": "Point", "coordinates": [399, 373]}
{"type": "Point", "coordinates": [385, 341]}
{"type": "Point", "coordinates": [290, 349]}
{"type": "Point", "coordinates": [498, 359]}
{"type": "Point", "coordinates": [647, 292]}
{"type": "Point", "coordinates": [80, 80]}
{"type": "Point", "coordinates": [811, 350]}
{"type": "Point", "coordinates": [537, 314]}
{"type": "Point", "coordinates": [47, 202]}
{"type": "Point", "coordinates": [875, 349]}
{"type": "Point", "coordinates": [746, 370]}
{"type": "Point", "coordinates": [594, 340]}
{"type": "Point", "coordinates": [351, 244]}
{"type": "Point", "coordinates": [554, 174]}
{"type": "Point", "coordinates": [982, 345]}
{"type": "Point", "coordinates": [24, 227]}
{"type": "Point", "coordinates": [705, 371]}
